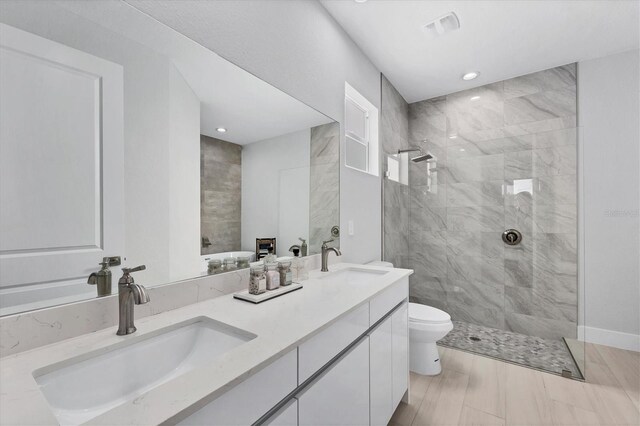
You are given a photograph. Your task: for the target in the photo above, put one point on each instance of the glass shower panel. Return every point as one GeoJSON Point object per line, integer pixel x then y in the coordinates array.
{"type": "Point", "coordinates": [503, 166]}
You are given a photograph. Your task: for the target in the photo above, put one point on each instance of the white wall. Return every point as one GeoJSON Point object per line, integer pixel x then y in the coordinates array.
{"type": "Point", "coordinates": [151, 128]}
{"type": "Point", "coordinates": [270, 169]}
{"type": "Point", "coordinates": [298, 47]}
{"type": "Point", "coordinates": [609, 120]}
{"type": "Point", "coordinates": [184, 183]}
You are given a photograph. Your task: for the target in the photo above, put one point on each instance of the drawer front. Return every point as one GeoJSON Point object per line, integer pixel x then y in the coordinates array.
{"type": "Point", "coordinates": [251, 399]}
{"type": "Point", "coordinates": [317, 351]}
{"type": "Point", "coordinates": [340, 396]}
{"type": "Point", "coordinates": [388, 299]}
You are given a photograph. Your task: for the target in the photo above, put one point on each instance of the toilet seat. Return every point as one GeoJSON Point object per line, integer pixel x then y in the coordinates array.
{"type": "Point", "coordinates": [423, 314]}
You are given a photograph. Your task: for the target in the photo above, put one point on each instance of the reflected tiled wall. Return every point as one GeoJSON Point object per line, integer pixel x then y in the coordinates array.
{"type": "Point", "coordinates": [394, 135]}
{"type": "Point", "coordinates": [324, 182]}
{"type": "Point", "coordinates": [220, 194]}
{"type": "Point", "coordinates": [505, 158]}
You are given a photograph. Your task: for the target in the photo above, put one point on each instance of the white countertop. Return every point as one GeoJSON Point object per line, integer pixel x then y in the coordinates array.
{"type": "Point", "coordinates": [281, 324]}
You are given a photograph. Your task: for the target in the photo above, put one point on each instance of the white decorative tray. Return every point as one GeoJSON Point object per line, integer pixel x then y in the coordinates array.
{"type": "Point", "coordinates": [268, 295]}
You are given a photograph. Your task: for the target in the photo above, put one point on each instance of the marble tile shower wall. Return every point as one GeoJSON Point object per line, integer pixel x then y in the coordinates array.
{"type": "Point", "coordinates": [220, 194]}
{"type": "Point", "coordinates": [324, 182]}
{"type": "Point", "coordinates": [394, 135]}
{"type": "Point", "coordinates": [505, 158]}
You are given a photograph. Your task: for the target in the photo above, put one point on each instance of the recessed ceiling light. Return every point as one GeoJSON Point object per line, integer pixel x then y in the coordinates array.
{"type": "Point", "coordinates": [221, 129]}
{"type": "Point", "coordinates": [360, 1]}
{"type": "Point", "coordinates": [470, 75]}
{"type": "Point", "coordinates": [475, 98]}
{"type": "Point", "coordinates": [453, 136]}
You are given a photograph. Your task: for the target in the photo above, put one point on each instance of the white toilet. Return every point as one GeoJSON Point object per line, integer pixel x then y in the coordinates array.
{"type": "Point", "coordinates": [427, 325]}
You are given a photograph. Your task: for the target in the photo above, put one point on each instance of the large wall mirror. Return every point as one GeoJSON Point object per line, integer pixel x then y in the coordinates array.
{"type": "Point", "coordinates": [121, 137]}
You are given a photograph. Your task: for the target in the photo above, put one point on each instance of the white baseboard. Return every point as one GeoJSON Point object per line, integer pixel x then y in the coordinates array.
{"type": "Point", "coordinates": [616, 339]}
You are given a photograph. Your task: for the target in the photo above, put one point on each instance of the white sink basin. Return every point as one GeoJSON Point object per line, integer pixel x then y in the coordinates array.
{"type": "Point", "coordinates": [82, 388]}
{"type": "Point", "coordinates": [353, 275]}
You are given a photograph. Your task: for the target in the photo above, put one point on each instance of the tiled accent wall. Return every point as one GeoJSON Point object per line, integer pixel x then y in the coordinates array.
{"type": "Point", "coordinates": [505, 158]}
{"type": "Point", "coordinates": [220, 194]}
{"type": "Point", "coordinates": [394, 135]}
{"type": "Point", "coordinates": [324, 182]}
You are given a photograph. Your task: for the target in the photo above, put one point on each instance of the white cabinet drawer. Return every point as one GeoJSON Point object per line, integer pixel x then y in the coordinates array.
{"type": "Point", "coordinates": [381, 373]}
{"type": "Point", "coordinates": [317, 351]}
{"type": "Point", "coordinates": [388, 299]}
{"type": "Point", "coordinates": [340, 396]}
{"type": "Point", "coordinates": [251, 399]}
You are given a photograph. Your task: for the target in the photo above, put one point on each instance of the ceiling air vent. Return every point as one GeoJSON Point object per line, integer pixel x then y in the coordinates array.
{"type": "Point", "coordinates": [444, 24]}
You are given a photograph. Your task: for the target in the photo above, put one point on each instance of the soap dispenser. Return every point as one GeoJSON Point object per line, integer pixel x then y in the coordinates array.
{"type": "Point", "coordinates": [303, 247]}
{"type": "Point", "coordinates": [102, 278]}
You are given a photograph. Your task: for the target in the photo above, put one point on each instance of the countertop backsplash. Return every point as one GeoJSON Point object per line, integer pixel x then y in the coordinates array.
{"type": "Point", "coordinates": [29, 330]}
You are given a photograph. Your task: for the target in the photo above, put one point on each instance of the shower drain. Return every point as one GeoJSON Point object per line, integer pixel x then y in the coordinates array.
{"type": "Point", "coordinates": [474, 338]}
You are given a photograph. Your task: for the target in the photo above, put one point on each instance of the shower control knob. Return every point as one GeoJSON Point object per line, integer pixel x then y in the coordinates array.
{"type": "Point", "coordinates": [512, 237]}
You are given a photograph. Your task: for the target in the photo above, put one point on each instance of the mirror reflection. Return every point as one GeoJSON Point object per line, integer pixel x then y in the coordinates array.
{"type": "Point", "coordinates": [125, 143]}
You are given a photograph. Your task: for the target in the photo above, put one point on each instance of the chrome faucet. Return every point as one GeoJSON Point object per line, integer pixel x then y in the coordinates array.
{"type": "Point", "coordinates": [325, 255]}
{"type": "Point", "coordinates": [295, 246]}
{"type": "Point", "coordinates": [129, 294]}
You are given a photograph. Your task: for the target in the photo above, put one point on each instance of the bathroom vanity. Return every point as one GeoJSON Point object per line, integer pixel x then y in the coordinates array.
{"type": "Point", "coordinates": [335, 352]}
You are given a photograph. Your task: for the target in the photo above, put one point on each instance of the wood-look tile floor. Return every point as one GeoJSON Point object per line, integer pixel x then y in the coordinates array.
{"type": "Point", "coordinates": [474, 390]}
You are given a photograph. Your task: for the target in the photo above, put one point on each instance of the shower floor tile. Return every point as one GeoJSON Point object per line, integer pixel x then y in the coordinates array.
{"type": "Point", "coordinates": [534, 352]}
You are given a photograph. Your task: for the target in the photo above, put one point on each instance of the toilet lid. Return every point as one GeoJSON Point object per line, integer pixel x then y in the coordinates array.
{"type": "Point", "coordinates": [429, 314]}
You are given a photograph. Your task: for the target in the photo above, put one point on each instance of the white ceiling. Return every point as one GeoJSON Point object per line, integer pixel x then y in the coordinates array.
{"type": "Point", "coordinates": [501, 39]}
{"type": "Point", "coordinates": [250, 109]}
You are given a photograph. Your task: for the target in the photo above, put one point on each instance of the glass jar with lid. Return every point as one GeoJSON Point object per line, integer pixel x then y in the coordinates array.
{"type": "Point", "coordinates": [258, 280]}
{"type": "Point", "coordinates": [243, 262]}
{"type": "Point", "coordinates": [229, 264]}
{"type": "Point", "coordinates": [286, 275]}
{"type": "Point", "coordinates": [214, 266]}
{"type": "Point", "coordinates": [273, 276]}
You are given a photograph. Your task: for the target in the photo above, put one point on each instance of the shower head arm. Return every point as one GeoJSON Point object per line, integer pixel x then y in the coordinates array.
{"type": "Point", "coordinates": [410, 149]}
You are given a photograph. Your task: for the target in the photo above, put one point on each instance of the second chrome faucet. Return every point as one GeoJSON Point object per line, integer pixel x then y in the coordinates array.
{"type": "Point", "coordinates": [129, 294]}
{"type": "Point", "coordinates": [325, 254]}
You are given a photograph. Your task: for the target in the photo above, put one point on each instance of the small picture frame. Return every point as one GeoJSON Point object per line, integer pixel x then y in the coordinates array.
{"type": "Point", "coordinates": [263, 245]}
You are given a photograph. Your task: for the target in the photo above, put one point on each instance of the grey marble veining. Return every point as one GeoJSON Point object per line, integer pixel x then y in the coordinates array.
{"type": "Point", "coordinates": [220, 194]}
{"type": "Point", "coordinates": [559, 160]}
{"type": "Point", "coordinates": [541, 327]}
{"type": "Point", "coordinates": [487, 193]}
{"type": "Point", "coordinates": [542, 126]}
{"type": "Point", "coordinates": [475, 243]}
{"type": "Point", "coordinates": [428, 121]}
{"type": "Point", "coordinates": [394, 135]}
{"type": "Point", "coordinates": [479, 168]}
{"type": "Point", "coordinates": [476, 218]}
{"type": "Point", "coordinates": [489, 147]}
{"type": "Point", "coordinates": [554, 78]}
{"type": "Point", "coordinates": [475, 270]}
{"type": "Point", "coordinates": [555, 304]}
{"type": "Point", "coordinates": [324, 184]}
{"type": "Point", "coordinates": [540, 106]}
{"type": "Point", "coordinates": [555, 138]}
{"type": "Point", "coordinates": [424, 197]}
{"type": "Point", "coordinates": [505, 158]}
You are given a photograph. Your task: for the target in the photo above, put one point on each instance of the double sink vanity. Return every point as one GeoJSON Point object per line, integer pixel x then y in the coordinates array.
{"type": "Point", "coordinates": [335, 352]}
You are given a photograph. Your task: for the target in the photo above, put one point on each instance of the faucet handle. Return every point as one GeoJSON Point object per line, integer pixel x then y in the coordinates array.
{"type": "Point", "coordinates": [127, 279]}
{"type": "Point", "coordinates": [324, 243]}
{"type": "Point", "coordinates": [136, 269]}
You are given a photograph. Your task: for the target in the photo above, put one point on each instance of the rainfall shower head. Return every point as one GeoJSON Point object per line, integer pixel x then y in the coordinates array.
{"type": "Point", "coordinates": [423, 157]}
{"type": "Point", "coordinates": [419, 158]}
